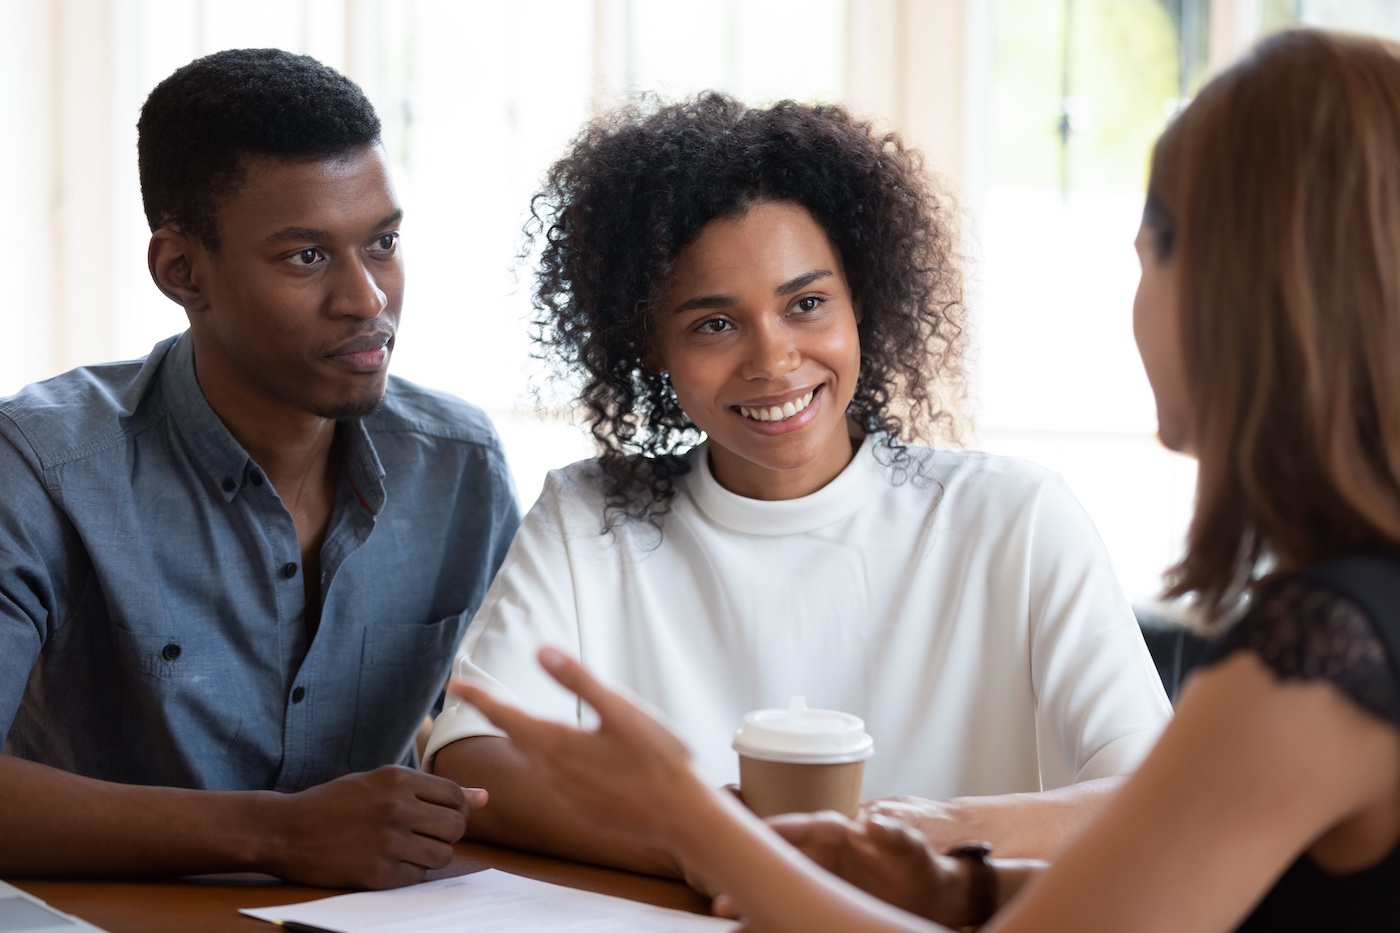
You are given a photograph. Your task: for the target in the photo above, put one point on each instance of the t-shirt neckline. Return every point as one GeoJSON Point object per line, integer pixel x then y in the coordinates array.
{"type": "Point", "coordinates": [862, 479]}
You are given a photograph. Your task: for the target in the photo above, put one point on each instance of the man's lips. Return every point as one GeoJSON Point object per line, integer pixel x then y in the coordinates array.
{"type": "Point", "coordinates": [370, 342]}
{"type": "Point", "coordinates": [364, 354]}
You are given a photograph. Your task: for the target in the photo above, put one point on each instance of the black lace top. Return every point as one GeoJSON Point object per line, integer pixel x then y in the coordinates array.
{"type": "Point", "coordinates": [1306, 629]}
{"type": "Point", "coordinates": [1343, 627]}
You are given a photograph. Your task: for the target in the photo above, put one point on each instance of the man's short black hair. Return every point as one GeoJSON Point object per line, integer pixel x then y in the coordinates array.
{"type": "Point", "coordinates": [197, 126]}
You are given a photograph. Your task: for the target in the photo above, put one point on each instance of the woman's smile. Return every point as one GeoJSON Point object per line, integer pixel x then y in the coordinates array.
{"type": "Point", "coordinates": [778, 412]}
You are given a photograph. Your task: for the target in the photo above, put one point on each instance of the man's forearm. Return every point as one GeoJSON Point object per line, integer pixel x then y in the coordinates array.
{"type": "Point", "coordinates": [373, 829]}
{"type": "Point", "coordinates": [56, 823]}
{"type": "Point", "coordinates": [523, 814]}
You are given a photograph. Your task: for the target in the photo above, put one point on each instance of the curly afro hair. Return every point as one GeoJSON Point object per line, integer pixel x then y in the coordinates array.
{"type": "Point", "coordinates": [638, 186]}
{"type": "Point", "coordinates": [198, 124]}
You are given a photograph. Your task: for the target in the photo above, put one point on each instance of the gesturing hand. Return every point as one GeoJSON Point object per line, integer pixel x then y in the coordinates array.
{"type": "Point", "coordinates": [631, 771]}
{"type": "Point", "coordinates": [378, 829]}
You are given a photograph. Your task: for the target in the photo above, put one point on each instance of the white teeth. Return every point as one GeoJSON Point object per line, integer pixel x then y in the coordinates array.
{"type": "Point", "coordinates": [778, 413]}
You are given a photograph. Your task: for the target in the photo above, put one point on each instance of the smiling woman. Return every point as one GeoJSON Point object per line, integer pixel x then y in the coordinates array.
{"type": "Point", "coordinates": [757, 334]}
{"type": "Point", "coordinates": [758, 304]}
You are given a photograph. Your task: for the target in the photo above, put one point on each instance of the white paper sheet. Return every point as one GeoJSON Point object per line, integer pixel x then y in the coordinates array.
{"type": "Point", "coordinates": [488, 901]}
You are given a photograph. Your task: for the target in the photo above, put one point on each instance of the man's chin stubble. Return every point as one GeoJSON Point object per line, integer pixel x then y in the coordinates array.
{"type": "Point", "coordinates": [351, 411]}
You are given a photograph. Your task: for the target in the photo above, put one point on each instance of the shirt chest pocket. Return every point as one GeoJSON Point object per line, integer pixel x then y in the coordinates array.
{"type": "Point", "coordinates": [403, 669]}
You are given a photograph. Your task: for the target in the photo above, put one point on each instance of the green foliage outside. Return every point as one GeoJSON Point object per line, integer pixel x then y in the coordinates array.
{"type": "Point", "coordinates": [1123, 68]}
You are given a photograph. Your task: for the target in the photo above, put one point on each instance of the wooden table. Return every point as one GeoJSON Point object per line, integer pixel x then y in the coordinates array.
{"type": "Point", "coordinates": [211, 906]}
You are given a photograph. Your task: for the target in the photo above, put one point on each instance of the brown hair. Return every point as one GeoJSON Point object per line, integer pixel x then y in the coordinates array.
{"type": "Point", "coordinates": [1277, 191]}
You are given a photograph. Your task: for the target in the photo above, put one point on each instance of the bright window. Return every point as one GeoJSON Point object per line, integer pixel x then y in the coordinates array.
{"type": "Point", "coordinates": [1041, 111]}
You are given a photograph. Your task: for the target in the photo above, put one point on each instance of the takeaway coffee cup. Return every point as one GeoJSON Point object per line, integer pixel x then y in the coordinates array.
{"type": "Point", "coordinates": [797, 760]}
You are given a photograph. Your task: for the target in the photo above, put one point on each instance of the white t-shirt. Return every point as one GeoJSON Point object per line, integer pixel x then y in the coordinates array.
{"type": "Point", "coordinates": [970, 618]}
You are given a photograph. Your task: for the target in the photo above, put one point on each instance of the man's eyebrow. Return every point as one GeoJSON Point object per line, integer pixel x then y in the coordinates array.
{"type": "Point", "coordinates": [314, 234]}
{"type": "Point", "coordinates": [390, 219]}
{"type": "Point", "coordinates": [801, 282]}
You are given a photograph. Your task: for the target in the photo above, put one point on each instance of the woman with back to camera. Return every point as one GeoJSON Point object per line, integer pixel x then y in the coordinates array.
{"type": "Point", "coordinates": [1268, 317]}
{"type": "Point", "coordinates": [758, 305]}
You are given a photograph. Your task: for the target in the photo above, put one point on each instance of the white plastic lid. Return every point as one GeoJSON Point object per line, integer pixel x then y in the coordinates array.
{"type": "Point", "coordinates": [799, 734]}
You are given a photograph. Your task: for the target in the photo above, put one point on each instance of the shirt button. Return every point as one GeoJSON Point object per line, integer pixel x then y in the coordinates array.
{"type": "Point", "coordinates": [229, 484]}
{"type": "Point", "coordinates": [298, 694]}
{"type": "Point", "coordinates": [289, 570]}
{"type": "Point", "coordinates": [170, 652]}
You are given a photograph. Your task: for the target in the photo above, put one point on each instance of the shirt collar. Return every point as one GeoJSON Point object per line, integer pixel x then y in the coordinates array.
{"type": "Point", "coordinates": [209, 442]}
{"type": "Point", "coordinates": [362, 465]}
{"type": "Point", "coordinates": [863, 479]}
{"type": "Point", "coordinates": [223, 459]}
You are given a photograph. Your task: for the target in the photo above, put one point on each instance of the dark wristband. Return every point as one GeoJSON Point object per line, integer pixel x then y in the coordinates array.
{"type": "Point", "coordinates": [982, 882]}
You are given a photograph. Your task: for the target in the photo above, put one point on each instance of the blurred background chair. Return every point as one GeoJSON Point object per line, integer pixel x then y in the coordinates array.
{"type": "Point", "coordinates": [1175, 648]}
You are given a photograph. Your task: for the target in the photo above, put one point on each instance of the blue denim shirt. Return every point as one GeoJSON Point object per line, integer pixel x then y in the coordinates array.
{"type": "Point", "coordinates": [152, 625]}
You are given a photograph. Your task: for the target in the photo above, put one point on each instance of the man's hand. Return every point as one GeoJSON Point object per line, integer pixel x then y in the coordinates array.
{"type": "Point", "coordinates": [379, 829]}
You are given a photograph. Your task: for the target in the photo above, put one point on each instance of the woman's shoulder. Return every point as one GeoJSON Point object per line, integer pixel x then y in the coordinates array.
{"type": "Point", "coordinates": [971, 475]}
{"type": "Point", "coordinates": [1328, 622]}
{"type": "Point", "coordinates": [595, 496]}
{"type": "Point", "coordinates": [578, 485]}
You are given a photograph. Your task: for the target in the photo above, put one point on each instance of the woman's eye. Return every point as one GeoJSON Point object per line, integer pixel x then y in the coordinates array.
{"type": "Point", "coordinates": [714, 326]}
{"type": "Point", "coordinates": [387, 242]}
{"type": "Point", "coordinates": [810, 303]}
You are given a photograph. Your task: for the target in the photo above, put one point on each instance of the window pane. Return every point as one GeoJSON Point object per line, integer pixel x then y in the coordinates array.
{"type": "Point", "coordinates": [1078, 92]}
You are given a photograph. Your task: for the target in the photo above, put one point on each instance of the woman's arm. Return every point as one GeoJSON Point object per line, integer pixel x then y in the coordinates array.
{"type": "Point", "coordinates": [1252, 772]}
{"type": "Point", "coordinates": [1028, 825]}
{"type": "Point", "coordinates": [632, 771]}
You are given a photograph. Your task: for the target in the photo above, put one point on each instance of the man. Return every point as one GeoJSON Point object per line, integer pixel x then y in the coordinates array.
{"type": "Point", "coordinates": [233, 574]}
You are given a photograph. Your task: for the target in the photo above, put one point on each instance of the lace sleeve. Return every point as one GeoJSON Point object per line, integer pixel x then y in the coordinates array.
{"type": "Point", "coordinates": [1305, 631]}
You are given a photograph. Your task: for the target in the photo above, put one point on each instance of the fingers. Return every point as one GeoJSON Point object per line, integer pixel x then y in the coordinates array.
{"type": "Point", "coordinates": [893, 834]}
{"type": "Point", "coordinates": [515, 722]}
{"type": "Point", "coordinates": [537, 739]}
{"type": "Point", "coordinates": [570, 674]}
{"type": "Point", "coordinates": [430, 788]}
{"type": "Point", "coordinates": [445, 824]}
{"type": "Point", "coordinates": [490, 707]}
{"type": "Point", "coordinates": [804, 828]}
{"type": "Point", "coordinates": [574, 676]}
{"type": "Point", "coordinates": [724, 906]}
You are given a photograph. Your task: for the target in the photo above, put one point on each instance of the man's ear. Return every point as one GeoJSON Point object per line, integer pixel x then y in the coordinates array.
{"type": "Point", "coordinates": [172, 257]}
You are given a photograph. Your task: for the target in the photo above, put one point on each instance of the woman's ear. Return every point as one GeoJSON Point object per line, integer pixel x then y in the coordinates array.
{"type": "Point", "coordinates": [171, 258]}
